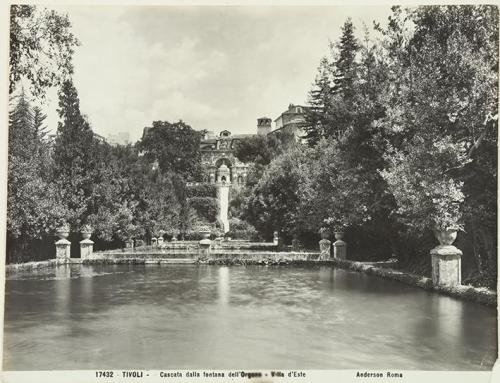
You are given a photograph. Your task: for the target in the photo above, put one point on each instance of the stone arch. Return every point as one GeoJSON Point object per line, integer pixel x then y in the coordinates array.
{"type": "Point", "coordinates": [223, 160]}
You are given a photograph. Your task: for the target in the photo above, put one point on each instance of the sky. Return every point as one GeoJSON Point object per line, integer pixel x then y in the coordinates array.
{"type": "Point", "coordinates": [214, 67]}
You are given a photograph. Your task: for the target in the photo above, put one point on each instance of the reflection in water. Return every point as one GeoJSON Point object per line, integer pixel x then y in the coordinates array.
{"type": "Point", "coordinates": [87, 282]}
{"type": "Point", "coordinates": [450, 321]}
{"type": "Point", "coordinates": [200, 316]}
{"type": "Point", "coordinates": [223, 285]}
{"type": "Point", "coordinates": [327, 275]}
{"type": "Point", "coordinates": [63, 272]}
{"type": "Point", "coordinates": [63, 290]}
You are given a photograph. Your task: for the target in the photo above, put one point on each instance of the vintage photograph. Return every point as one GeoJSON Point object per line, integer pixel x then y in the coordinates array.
{"type": "Point", "coordinates": [251, 188]}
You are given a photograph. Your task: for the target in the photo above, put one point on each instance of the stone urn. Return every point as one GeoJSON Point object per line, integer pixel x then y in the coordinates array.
{"type": "Point", "coordinates": [339, 235]}
{"type": "Point", "coordinates": [86, 231]}
{"type": "Point", "coordinates": [62, 231]}
{"type": "Point", "coordinates": [205, 233]}
{"type": "Point", "coordinates": [445, 237]}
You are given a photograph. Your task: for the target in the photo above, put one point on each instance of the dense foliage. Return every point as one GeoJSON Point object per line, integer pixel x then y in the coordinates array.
{"type": "Point", "coordinates": [175, 146]}
{"type": "Point", "coordinates": [41, 47]}
{"type": "Point", "coordinates": [400, 141]}
{"type": "Point", "coordinates": [202, 190]}
{"type": "Point", "coordinates": [76, 178]}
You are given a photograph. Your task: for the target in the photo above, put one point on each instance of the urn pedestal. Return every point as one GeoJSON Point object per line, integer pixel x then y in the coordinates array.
{"type": "Point", "coordinates": [446, 266]}
{"type": "Point", "coordinates": [86, 248]}
{"type": "Point", "coordinates": [446, 260]}
{"type": "Point", "coordinates": [339, 246]}
{"type": "Point", "coordinates": [63, 249]}
{"type": "Point", "coordinates": [86, 245]}
{"type": "Point", "coordinates": [63, 246]}
{"type": "Point", "coordinates": [204, 245]}
{"type": "Point", "coordinates": [275, 238]}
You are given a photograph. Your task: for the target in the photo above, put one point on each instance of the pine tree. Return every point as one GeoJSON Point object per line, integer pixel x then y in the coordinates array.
{"type": "Point", "coordinates": [39, 117]}
{"type": "Point", "coordinates": [31, 209]}
{"type": "Point", "coordinates": [75, 156]}
{"type": "Point", "coordinates": [20, 126]}
{"type": "Point", "coordinates": [319, 98]}
{"type": "Point", "coordinates": [340, 113]}
{"type": "Point", "coordinates": [331, 98]}
{"type": "Point", "coordinates": [346, 65]}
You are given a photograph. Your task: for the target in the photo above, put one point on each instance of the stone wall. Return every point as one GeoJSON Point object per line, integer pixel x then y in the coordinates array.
{"type": "Point", "coordinates": [269, 258]}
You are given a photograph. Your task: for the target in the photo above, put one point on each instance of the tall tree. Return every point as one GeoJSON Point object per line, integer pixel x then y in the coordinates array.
{"type": "Point", "coordinates": [32, 210]}
{"type": "Point", "coordinates": [331, 98]}
{"type": "Point", "coordinates": [446, 117]}
{"type": "Point", "coordinates": [341, 108]}
{"type": "Point", "coordinates": [176, 147]}
{"type": "Point", "coordinates": [41, 48]}
{"type": "Point", "coordinates": [345, 65]}
{"type": "Point", "coordinates": [75, 156]}
{"type": "Point", "coordinates": [39, 117]}
{"type": "Point", "coordinates": [319, 98]}
{"type": "Point", "coordinates": [274, 201]}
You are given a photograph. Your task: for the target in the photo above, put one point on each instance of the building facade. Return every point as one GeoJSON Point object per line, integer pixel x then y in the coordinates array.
{"type": "Point", "coordinates": [222, 168]}
{"type": "Point", "coordinates": [291, 121]}
{"type": "Point", "coordinates": [219, 161]}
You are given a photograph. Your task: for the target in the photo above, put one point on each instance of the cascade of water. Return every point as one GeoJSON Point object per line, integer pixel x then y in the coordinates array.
{"type": "Point", "coordinates": [224, 205]}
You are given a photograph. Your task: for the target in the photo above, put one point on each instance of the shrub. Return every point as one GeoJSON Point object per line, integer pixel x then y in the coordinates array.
{"type": "Point", "coordinates": [240, 229]}
{"type": "Point", "coordinates": [205, 207]}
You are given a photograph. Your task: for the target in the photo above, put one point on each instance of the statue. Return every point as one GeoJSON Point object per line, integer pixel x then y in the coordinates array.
{"type": "Point", "coordinates": [324, 245]}
{"type": "Point", "coordinates": [324, 249]}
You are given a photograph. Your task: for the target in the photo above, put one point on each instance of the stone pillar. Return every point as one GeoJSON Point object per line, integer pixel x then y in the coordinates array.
{"type": "Point", "coordinates": [339, 249]}
{"type": "Point", "coordinates": [204, 247]}
{"type": "Point", "coordinates": [86, 248]}
{"type": "Point", "coordinates": [275, 238]}
{"type": "Point", "coordinates": [218, 242]}
{"type": "Point", "coordinates": [446, 259]}
{"type": "Point", "coordinates": [339, 246]}
{"type": "Point", "coordinates": [296, 244]}
{"type": "Point", "coordinates": [324, 249]}
{"type": "Point", "coordinates": [63, 249]}
{"type": "Point", "coordinates": [446, 265]}
{"type": "Point", "coordinates": [281, 243]}
{"type": "Point", "coordinates": [205, 244]}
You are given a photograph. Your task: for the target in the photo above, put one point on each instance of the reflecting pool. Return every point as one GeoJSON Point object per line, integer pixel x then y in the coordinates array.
{"type": "Point", "coordinates": [215, 317]}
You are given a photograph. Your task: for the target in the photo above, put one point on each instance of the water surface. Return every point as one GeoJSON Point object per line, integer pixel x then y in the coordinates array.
{"type": "Point", "coordinates": [211, 317]}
